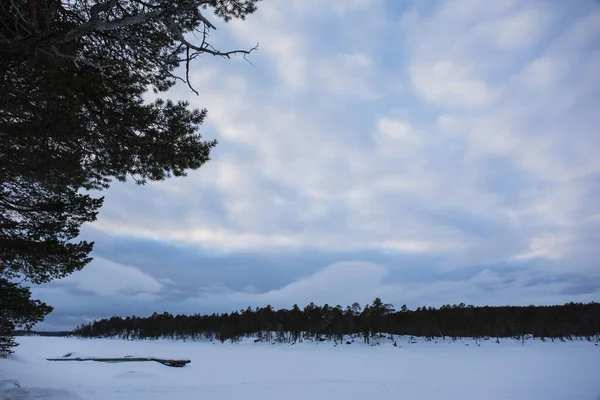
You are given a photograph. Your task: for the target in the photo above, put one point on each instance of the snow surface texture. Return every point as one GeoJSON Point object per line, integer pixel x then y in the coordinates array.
{"type": "Point", "coordinates": [465, 369]}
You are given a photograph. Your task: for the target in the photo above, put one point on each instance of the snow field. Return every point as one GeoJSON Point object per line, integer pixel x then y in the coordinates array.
{"type": "Point", "coordinates": [423, 370]}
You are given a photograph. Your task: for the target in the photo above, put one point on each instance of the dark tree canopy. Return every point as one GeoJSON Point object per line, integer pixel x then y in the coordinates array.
{"type": "Point", "coordinates": [73, 74]}
{"type": "Point", "coordinates": [17, 308]}
{"type": "Point", "coordinates": [317, 323]}
{"type": "Point", "coordinates": [149, 37]}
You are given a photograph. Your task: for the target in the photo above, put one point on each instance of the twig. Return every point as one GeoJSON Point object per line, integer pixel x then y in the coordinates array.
{"type": "Point", "coordinates": [187, 71]}
{"type": "Point", "coordinates": [206, 49]}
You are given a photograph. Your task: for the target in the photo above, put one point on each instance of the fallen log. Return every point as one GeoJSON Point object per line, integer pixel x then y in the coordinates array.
{"type": "Point", "coordinates": [170, 363]}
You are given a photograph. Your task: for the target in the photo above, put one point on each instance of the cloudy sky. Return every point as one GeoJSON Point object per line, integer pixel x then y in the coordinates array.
{"type": "Point", "coordinates": [427, 152]}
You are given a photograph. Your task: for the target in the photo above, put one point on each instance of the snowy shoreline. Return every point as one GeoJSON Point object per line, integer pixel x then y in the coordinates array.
{"type": "Point", "coordinates": [357, 340]}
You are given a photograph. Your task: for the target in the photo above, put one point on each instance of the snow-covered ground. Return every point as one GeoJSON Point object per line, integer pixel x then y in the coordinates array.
{"type": "Point", "coordinates": [422, 370]}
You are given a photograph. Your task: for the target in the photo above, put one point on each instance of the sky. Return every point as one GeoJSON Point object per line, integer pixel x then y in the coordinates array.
{"type": "Point", "coordinates": [424, 152]}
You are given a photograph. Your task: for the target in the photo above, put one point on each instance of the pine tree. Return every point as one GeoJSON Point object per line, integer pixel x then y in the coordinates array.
{"type": "Point", "coordinates": [379, 312]}
{"type": "Point", "coordinates": [17, 308]}
{"type": "Point", "coordinates": [366, 324]}
{"type": "Point", "coordinates": [73, 119]}
{"type": "Point", "coordinates": [581, 320]}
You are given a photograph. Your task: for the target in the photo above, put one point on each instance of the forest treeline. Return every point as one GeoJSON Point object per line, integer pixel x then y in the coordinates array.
{"type": "Point", "coordinates": [327, 322]}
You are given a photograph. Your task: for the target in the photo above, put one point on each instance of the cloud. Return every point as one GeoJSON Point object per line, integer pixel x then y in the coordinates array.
{"type": "Point", "coordinates": [341, 282]}
{"type": "Point", "coordinates": [395, 137]}
{"type": "Point", "coordinates": [522, 29]}
{"type": "Point", "coordinates": [348, 75]}
{"type": "Point", "coordinates": [448, 83]}
{"type": "Point", "coordinates": [353, 171]}
{"type": "Point", "coordinates": [424, 139]}
{"type": "Point", "coordinates": [106, 278]}
{"type": "Point", "coordinates": [283, 45]}
{"type": "Point", "coordinates": [460, 50]}
{"type": "Point", "coordinates": [344, 283]}
{"type": "Point", "coordinates": [338, 283]}
{"type": "Point", "coordinates": [548, 247]}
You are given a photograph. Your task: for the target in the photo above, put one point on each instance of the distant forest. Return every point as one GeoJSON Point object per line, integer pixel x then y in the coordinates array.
{"type": "Point", "coordinates": [24, 332]}
{"type": "Point", "coordinates": [327, 323]}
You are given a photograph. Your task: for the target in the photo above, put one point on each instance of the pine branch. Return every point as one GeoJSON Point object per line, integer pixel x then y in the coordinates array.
{"type": "Point", "coordinates": [95, 24]}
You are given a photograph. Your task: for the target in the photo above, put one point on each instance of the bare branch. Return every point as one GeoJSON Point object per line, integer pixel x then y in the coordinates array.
{"type": "Point", "coordinates": [251, 50]}
{"type": "Point", "coordinates": [203, 19]}
{"type": "Point", "coordinates": [170, 23]}
{"type": "Point", "coordinates": [75, 60]}
{"type": "Point", "coordinates": [187, 71]}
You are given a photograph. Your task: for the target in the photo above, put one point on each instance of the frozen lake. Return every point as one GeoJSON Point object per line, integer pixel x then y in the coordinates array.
{"type": "Point", "coordinates": [305, 371]}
